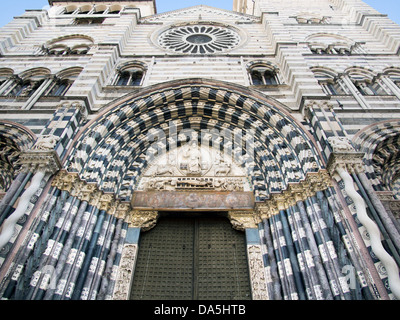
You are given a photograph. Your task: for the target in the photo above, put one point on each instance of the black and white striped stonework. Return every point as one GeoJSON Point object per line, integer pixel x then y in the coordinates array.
{"type": "Point", "coordinates": [110, 149]}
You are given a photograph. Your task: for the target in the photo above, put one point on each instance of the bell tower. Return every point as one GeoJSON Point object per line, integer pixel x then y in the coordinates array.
{"type": "Point", "coordinates": [147, 7]}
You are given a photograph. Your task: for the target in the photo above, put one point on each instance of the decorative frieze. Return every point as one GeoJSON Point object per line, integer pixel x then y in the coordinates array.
{"type": "Point", "coordinates": [257, 273]}
{"type": "Point", "coordinates": [194, 200]}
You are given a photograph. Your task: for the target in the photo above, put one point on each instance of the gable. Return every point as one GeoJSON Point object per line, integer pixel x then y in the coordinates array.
{"type": "Point", "coordinates": [200, 12]}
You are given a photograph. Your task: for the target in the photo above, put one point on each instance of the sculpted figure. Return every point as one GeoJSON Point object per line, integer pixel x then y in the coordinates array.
{"type": "Point", "coordinates": [46, 143]}
{"type": "Point", "coordinates": [340, 144]}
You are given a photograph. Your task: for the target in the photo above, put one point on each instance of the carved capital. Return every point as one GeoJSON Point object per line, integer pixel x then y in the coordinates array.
{"type": "Point", "coordinates": [45, 143]}
{"type": "Point", "coordinates": [266, 209]}
{"type": "Point", "coordinates": [106, 201]}
{"type": "Point", "coordinates": [75, 188]}
{"type": "Point", "coordinates": [89, 193]}
{"type": "Point", "coordinates": [66, 181]}
{"type": "Point", "coordinates": [317, 181]}
{"type": "Point", "coordinates": [143, 219]}
{"type": "Point", "coordinates": [122, 209]}
{"type": "Point", "coordinates": [46, 161]}
{"type": "Point", "coordinates": [75, 104]}
{"type": "Point", "coordinates": [295, 192]}
{"type": "Point", "coordinates": [344, 156]}
{"type": "Point", "coordinates": [352, 162]}
{"type": "Point", "coordinates": [341, 144]}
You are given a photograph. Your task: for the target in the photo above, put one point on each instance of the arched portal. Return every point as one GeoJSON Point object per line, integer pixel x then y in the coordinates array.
{"type": "Point", "coordinates": [116, 148]}
{"type": "Point", "coordinates": [194, 146]}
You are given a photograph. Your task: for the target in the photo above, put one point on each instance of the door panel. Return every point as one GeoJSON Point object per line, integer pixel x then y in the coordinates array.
{"type": "Point", "coordinates": [223, 270]}
{"type": "Point", "coordinates": [191, 258]}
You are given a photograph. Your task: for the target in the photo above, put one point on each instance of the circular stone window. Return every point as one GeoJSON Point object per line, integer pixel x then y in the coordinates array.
{"type": "Point", "coordinates": [199, 39]}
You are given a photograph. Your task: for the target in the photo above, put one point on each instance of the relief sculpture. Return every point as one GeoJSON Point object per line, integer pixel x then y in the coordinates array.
{"type": "Point", "coordinates": [194, 168]}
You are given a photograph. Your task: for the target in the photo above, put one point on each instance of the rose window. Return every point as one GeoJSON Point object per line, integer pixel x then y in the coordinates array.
{"type": "Point", "coordinates": [199, 39]}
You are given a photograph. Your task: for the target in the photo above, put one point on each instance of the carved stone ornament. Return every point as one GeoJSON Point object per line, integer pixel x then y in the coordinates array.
{"type": "Point", "coordinates": [242, 220]}
{"type": "Point", "coordinates": [75, 104]}
{"type": "Point", "coordinates": [125, 272]}
{"type": "Point", "coordinates": [352, 162]}
{"type": "Point", "coordinates": [257, 273]}
{"type": "Point", "coordinates": [46, 143]}
{"type": "Point", "coordinates": [295, 192]}
{"type": "Point", "coordinates": [193, 167]}
{"type": "Point", "coordinates": [46, 161]}
{"type": "Point", "coordinates": [90, 192]}
{"type": "Point", "coordinates": [341, 144]}
{"type": "Point", "coordinates": [145, 220]}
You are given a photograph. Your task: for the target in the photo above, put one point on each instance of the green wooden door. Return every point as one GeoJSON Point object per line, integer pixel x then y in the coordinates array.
{"type": "Point", "coordinates": [192, 258]}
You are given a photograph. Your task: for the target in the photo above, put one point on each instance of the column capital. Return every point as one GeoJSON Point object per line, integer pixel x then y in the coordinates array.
{"type": "Point", "coordinates": [314, 182]}
{"type": "Point", "coordinates": [40, 160]}
{"type": "Point", "coordinates": [344, 156]}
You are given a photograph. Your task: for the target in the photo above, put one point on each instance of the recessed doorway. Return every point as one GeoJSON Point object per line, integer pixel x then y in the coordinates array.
{"type": "Point", "coordinates": [200, 257]}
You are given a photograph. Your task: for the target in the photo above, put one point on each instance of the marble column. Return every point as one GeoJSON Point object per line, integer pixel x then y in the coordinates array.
{"type": "Point", "coordinates": [343, 162]}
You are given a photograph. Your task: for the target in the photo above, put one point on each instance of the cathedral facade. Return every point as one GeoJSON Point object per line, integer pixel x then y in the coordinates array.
{"type": "Point", "coordinates": [200, 153]}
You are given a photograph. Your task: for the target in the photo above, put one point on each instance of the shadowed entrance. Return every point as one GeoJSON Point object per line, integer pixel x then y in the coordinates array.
{"type": "Point", "coordinates": [192, 258]}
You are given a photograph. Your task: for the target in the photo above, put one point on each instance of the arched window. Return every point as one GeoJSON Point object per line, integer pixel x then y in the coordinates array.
{"type": "Point", "coordinates": [62, 82]}
{"type": "Point", "coordinates": [366, 83]}
{"type": "Point", "coordinates": [85, 9]}
{"type": "Point", "coordinates": [263, 75]}
{"type": "Point", "coordinates": [59, 88]}
{"type": "Point", "coordinates": [26, 88]}
{"type": "Point", "coordinates": [99, 9]}
{"type": "Point", "coordinates": [26, 84]}
{"type": "Point", "coordinates": [365, 87]}
{"type": "Point", "coordinates": [70, 9]}
{"type": "Point", "coordinates": [114, 9]}
{"type": "Point", "coordinates": [333, 44]}
{"type": "Point", "coordinates": [311, 18]}
{"type": "Point", "coordinates": [328, 81]}
{"type": "Point", "coordinates": [6, 76]}
{"type": "Point", "coordinates": [73, 44]}
{"type": "Point", "coordinates": [130, 76]}
{"type": "Point", "coordinates": [394, 75]}
{"type": "Point", "coordinates": [80, 49]}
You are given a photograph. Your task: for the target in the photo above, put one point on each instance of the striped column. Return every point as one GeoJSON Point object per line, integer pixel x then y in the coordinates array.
{"type": "Point", "coordinates": [75, 247]}
{"type": "Point", "coordinates": [309, 252]}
